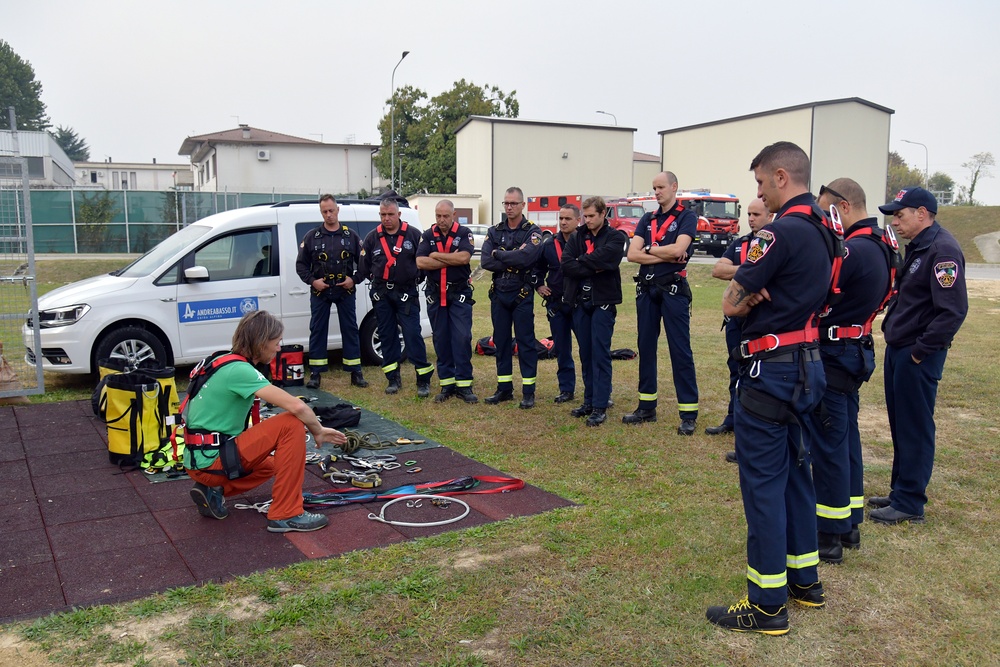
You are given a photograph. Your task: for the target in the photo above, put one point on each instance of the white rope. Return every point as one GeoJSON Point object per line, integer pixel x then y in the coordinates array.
{"type": "Point", "coordinates": [260, 507]}
{"type": "Point", "coordinates": [381, 515]}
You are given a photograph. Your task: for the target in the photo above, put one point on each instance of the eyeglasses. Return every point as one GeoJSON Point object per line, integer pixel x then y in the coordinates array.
{"type": "Point", "coordinates": [513, 203]}
{"type": "Point", "coordinates": [824, 190]}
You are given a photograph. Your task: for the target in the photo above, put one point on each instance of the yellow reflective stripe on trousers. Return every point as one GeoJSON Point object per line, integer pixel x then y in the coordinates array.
{"type": "Point", "coordinates": [317, 362]}
{"type": "Point", "coordinates": [464, 383]}
{"type": "Point", "coordinates": [505, 378]}
{"type": "Point", "coordinates": [350, 362]}
{"type": "Point", "coordinates": [803, 560]}
{"type": "Point", "coordinates": [424, 370]}
{"type": "Point", "coordinates": [527, 381]}
{"type": "Point", "coordinates": [391, 367]}
{"type": "Point", "coordinates": [767, 580]}
{"type": "Point", "coordinates": [647, 397]}
{"type": "Point", "coordinates": [857, 502]}
{"type": "Point", "coordinates": [687, 407]}
{"type": "Point", "coordinates": [447, 381]}
{"type": "Point", "coordinates": [827, 512]}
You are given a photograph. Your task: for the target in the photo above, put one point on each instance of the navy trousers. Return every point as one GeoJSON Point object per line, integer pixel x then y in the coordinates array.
{"type": "Point", "coordinates": [778, 496]}
{"type": "Point", "coordinates": [674, 310]}
{"type": "Point", "coordinates": [394, 310]}
{"type": "Point", "coordinates": [734, 332]}
{"type": "Point", "coordinates": [561, 325]}
{"type": "Point", "coordinates": [512, 311]}
{"type": "Point", "coordinates": [452, 326]}
{"type": "Point", "coordinates": [594, 327]}
{"type": "Point", "coordinates": [319, 331]}
{"type": "Point", "coordinates": [910, 394]}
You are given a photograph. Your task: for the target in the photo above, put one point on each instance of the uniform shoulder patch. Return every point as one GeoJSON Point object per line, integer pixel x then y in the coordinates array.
{"type": "Point", "coordinates": [946, 273]}
{"type": "Point", "coordinates": [536, 238]}
{"type": "Point", "coordinates": [762, 242]}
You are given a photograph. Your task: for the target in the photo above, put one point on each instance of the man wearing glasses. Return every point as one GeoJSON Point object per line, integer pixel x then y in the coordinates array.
{"type": "Point", "coordinates": [511, 251]}
{"type": "Point", "coordinates": [560, 314]}
{"type": "Point", "coordinates": [929, 307]}
{"type": "Point", "coordinates": [848, 354]}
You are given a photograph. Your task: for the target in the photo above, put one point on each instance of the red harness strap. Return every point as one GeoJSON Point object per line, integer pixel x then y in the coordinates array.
{"type": "Point", "coordinates": [771, 342]}
{"type": "Point", "coordinates": [838, 251]}
{"type": "Point", "coordinates": [443, 248]}
{"type": "Point", "coordinates": [657, 234]}
{"type": "Point", "coordinates": [390, 255]}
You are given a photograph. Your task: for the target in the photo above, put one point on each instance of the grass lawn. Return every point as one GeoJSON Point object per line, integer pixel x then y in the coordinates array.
{"type": "Point", "coordinates": [625, 577]}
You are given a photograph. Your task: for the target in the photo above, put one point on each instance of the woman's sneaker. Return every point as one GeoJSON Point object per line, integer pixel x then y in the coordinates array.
{"type": "Point", "coordinates": [210, 501]}
{"type": "Point", "coordinates": [303, 523]}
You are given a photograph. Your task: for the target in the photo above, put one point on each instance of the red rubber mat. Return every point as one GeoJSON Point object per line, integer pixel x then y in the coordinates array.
{"type": "Point", "coordinates": [75, 531]}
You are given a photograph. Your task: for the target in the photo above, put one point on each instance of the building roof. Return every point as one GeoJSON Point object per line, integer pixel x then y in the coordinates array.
{"type": "Point", "coordinates": [644, 157]}
{"type": "Point", "coordinates": [235, 136]}
{"type": "Point", "coordinates": [772, 112]}
{"type": "Point", "coordinates": [548, 123]}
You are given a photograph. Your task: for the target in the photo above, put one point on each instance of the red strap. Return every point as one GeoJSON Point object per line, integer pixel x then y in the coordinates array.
{"type": "Point", "coordinates": [589, 244]}
{"type": "Point", "coordinates": [771, 342]}
{"type": "Point", "coordinates": [443, 248]}
{"type": "Point", "coordinates": [657, 235]}
{"type": "Point", "coordinates": [838, 231]}
{"type": "Point", "coordinates": [390, 256]}
{"type": "Point", "coordinates": [507, 484]}
{"type": "Point", "coordinates": [559, 249]}
{"type": "Point", "coordinates": [743, 251]}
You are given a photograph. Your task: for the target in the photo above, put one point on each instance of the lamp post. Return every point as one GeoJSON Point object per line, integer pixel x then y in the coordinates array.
{"type": "Point", "coordinates": [613, 117]}
{"type": "Point", "coordinates": [926, 160]}
{"type": "Point", "coordinates": [392, 124]}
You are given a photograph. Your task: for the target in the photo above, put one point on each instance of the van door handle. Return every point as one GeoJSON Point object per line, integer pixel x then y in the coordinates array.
{"type": "Point", "coordinates": [268, 295]}
{"type": "Point", "coordinates": [297, 291]}
{"type": "Point", "coordinates": [169, 300]}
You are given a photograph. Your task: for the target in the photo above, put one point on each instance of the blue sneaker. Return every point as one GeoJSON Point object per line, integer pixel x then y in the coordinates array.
{"type": "Point", "coordinates": [303, 523]}
{"type": "Point", "coordinates": [210, 501]}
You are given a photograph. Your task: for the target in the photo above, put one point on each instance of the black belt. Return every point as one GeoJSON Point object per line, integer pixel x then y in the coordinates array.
{"type": "Point", "coordinates": [786, 355]}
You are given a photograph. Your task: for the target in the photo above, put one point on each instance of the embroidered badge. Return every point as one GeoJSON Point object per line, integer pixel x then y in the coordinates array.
{"type": "Point", "coordinates": [471, 240]}
{"type": "Point", "coordinates": [407, 245]}
{"type": "Point", "coordinates": [946, 273]}
{"type": "Point", "coordinates": [535, 239]}
{"type": "Point", "coordinates": [759, 246]}
{"type": "Point", "coordinates": [915, 265]}
{"type": "Point", "coordinates": [672, 227]}
{"type": "Point", "coordinates": [362, 252]}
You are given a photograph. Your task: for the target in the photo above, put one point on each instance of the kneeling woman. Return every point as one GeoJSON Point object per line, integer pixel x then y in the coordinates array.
{"type": "Point", "coordinates": [217, 416]}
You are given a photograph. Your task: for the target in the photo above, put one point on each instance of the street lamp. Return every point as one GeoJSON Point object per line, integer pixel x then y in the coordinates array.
{"type": "Point", "coordinates": [926, 160]}
{"type": "Point", "coordinates": [392, 125]}
{"type": "Point", "coordinates": [609, 114]}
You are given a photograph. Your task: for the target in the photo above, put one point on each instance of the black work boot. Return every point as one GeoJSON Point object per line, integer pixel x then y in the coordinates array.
{"type": "Point", "coordinates": [597, 417]}
{"type": "Point", "coordinates": [582, 410]}
{"type": "Point", "coordinates": [313, 381]}
{"type": "Point", "coordinates": [446, 393]}
{"type": "Point", "coordinates": [640, 416]}
{"type": "Point", "coordinates": [830, 549]}
{"type": "Point", "coordinates": [358, 379]}
{"type": "Point", "coordinates": [423, 386]}
{"type": "Point", "coordinates": [527, 402]}
{"type": "Point", "coordinates": [500, 396]}
{"type": "Point", "coordinates": [851, 540]}
{"type": "Point", "coordinates": [465, 393]}
{"type": "Point", "coordinates": [395, 383]}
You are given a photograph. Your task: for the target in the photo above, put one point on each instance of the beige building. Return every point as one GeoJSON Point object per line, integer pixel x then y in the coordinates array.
{"type": "Point", "coordinates": [645, 167]}
{"type": "Point", "coordinates": [542, 158]}
{"type": "Point", "coordinates": [466, 206]}
{"type": "Point", "coordinates": [846, 137]}
{"type": "Point", "coordinates": [248, 159]}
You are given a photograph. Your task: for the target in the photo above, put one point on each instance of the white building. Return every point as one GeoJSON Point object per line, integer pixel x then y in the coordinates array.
{"type": "Point", "coordinates": [845, 137]}
{"type": "Point", "coordinates": [48, 165]}
{"type": "Point", "coordinates": [133, 175]}
{"type": "Point", "coordinates": [249, 159]}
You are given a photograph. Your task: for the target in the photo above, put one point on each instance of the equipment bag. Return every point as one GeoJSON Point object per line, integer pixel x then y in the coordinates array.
{"type": "Point", "coordinates": [342, 415]}
{"type": "Point", "coordinates": [130, 406]}
{"type": "Point", "coordinates": [288, 367]}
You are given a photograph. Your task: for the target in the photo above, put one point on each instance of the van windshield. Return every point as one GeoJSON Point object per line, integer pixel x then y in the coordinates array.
{"type": "Point", "coordinates": [165, 250]}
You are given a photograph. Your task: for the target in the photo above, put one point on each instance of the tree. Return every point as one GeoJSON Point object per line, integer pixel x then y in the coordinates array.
{"type": "Point", "coordinates": [979, 167]}
{"type": "Point", "coordinates": [900, 176]}
{"type": "Point", "coordinates": [73, 145]}
{"type": "Point", "coordinates": [92, 217]}
{"type": "Point", "coordinates": [19, 89]}
{"type": "Point", "coordinates": [943, 187]}
{"type": "Point", "coordinates": [425, 134]}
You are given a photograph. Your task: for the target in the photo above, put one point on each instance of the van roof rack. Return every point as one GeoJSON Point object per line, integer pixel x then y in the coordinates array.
{"type": "Point", "coordinates": [373, 202]}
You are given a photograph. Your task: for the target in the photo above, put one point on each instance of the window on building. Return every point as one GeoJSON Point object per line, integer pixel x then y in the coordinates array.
{"type": "Point", "coordinates": [36, 167]}
{"type": "Point", "coordinates": [131, 180]}
{"type": "Point", "coordinates": [114, 179]}
{"type": "Point", "coordinates": [93, 177]}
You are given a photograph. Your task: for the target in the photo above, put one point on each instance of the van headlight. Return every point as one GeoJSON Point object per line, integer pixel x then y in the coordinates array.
{"type": "Point", "coordinates": [62, 317]}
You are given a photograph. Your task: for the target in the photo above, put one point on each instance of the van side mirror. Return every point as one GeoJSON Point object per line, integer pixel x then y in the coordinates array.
{"type": "Point", "coordinates": [196, 274]}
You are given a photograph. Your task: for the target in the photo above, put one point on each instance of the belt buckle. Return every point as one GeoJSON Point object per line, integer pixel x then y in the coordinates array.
{"type": "Point", "coordinates": [390, 285]}
{"type": "Point", "coordinates": [831, 336]}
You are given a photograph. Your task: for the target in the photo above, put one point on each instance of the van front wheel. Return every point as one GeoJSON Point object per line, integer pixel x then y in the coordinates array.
{"type": "Point", "coordinates": [131, 345]}
{"type": "Point", "coordinates": [371, 348]}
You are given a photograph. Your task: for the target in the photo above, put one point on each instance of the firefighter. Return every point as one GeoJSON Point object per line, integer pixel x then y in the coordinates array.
{"type": "Point", "coordinates": [725, 269]}
{"type": "Point", "coordinates": [779, 290]}
{"type": "Point", "coordinates": [848, 353]}
{"type": "Point", "coordinates": [660, 248]}
{"type": "Point", "coordinates": [930, 305]}
{"type": "Point", "coordinates": [560, 315]}
{"type": "Point", "coordinates": [444, 254]}
{"type": "Point", "coordinates": [328, 262]}
{"type": "Point", "coordinates": [511, 251]}
{"type": "Point", "coordinates": [388, 260]}
{"type": "Point", "coordinates": [591, 266]}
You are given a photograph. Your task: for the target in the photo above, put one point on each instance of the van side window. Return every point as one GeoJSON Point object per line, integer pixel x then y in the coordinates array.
{"type": "Point", "coordinates": [244, 254]}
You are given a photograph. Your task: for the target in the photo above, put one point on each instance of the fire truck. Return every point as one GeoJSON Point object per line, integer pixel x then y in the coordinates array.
{"type": "Point", "coordinates": [544, 211]}
{"type": "Point", "coordinates": [718, 217]}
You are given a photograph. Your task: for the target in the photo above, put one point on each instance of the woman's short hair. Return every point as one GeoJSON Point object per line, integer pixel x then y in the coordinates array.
{"type": "Point", "coordinates": [255, 330]}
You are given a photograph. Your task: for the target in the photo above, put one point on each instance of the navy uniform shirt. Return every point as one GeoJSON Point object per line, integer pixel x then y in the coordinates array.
{"type": "Point", "coordinates": [864, 276]}
{"type": "Point", "coordinates": [340, 248]}
{"type": "Point", "coordinates": [457, 239]}
{"type": "Point", "coordinates": [932, 301]}
{"type": "Point", "coordinates": [511, 254]}
{"type": "Point", "coordinates": [790, 258]}
{"type": "Point", "coordinates": [402, 246]}
{"type": "Point", "coordinates": [549, 267]}
{"type": "Point", "coordinates": [736, 252]}
{"type": "Point", "coordinates": [678, 220]}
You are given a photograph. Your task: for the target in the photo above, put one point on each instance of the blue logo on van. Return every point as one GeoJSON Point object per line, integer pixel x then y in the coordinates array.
{"type": "Point", "coordinates": [218, 309]}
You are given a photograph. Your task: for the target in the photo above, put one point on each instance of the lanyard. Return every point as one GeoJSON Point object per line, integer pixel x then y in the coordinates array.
{"type": "Point", "coordinates": [443, 248]}
{"type": "Point", "coordinates": [390, 255]}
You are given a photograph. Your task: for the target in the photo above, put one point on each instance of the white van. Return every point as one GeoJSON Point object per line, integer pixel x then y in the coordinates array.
{"type": "Point", "coordinates": [181, 301]}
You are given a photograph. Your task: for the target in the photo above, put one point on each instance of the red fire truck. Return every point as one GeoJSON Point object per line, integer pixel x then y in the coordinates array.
{"type": "Point", "coordinates": [544, 211]}
{"type": "Point", "coordinates": [718, 217]}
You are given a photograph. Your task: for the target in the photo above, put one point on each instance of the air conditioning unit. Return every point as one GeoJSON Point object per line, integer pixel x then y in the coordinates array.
{"type": "Point", "coordinates": [263, 154]}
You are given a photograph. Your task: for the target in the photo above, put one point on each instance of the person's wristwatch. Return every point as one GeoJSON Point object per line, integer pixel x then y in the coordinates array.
{"type": "Point", "coordinates": [646, 249]}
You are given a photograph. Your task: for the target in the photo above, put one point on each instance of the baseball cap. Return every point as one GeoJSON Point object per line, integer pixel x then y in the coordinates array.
{"type": "Point", "coordinates": [911, 198]}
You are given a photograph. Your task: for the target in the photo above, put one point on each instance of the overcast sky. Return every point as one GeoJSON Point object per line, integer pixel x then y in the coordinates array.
{"type": "Point", "coordinates": [135, 78]}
